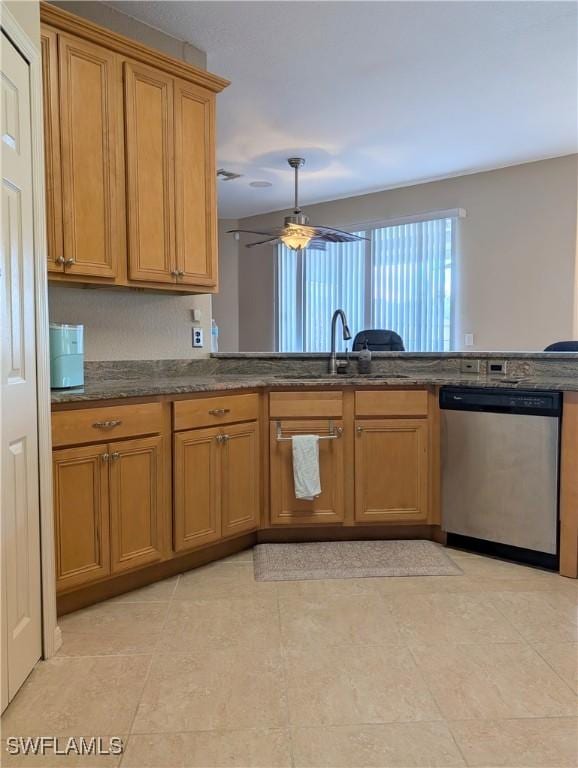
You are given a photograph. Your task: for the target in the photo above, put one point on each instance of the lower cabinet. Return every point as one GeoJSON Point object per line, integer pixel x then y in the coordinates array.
{"type": "Point", "coordinates": [136, 496]}
{"type": "Point", "coordinates": [329, 506]}
{"type": "Point", "coordinates": [391, 470]}
{"type": "Point", "coordinates": [216, 484]}
{"type": "Point", "coordinates": [81, 515]}
{"type": "Point", "coordinates": [109, 509]}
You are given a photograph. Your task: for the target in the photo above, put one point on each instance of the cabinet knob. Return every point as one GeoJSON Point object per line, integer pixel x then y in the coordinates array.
{"type": "Point", "coordinates": [105, 456]}
{"type": "Point", "coordinates": [359, 430]}
{"type": "Point", "coordinates": [68, 262]}
{"type": "Point", "coordinates": [219, 439]}
{"type": "Point", "coordinates": [115, 456]}
{"type": "Point", "coordinates": [59, 260]}
{"type": "Point", "coordinates": [175, 272]}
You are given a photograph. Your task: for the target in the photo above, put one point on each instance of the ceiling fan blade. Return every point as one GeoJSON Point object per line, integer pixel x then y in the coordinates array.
{"type": "Point", "coordinates": [275, 232]}
{"type": "Point", "coordinates": [336, 235]}
{"type": "Point", "coordinates": [270, 241]}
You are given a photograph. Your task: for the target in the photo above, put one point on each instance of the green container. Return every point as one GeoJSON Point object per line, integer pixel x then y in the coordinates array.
{"type": "Point", "coordinates": [66, 355]}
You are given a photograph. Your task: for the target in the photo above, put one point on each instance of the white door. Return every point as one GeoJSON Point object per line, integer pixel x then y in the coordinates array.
{"type": "Point", "coordinates": [19, 485]}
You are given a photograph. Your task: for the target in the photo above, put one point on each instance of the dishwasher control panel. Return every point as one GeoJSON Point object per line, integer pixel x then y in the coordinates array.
{"type": "Point", "coordinates": [500, 400]}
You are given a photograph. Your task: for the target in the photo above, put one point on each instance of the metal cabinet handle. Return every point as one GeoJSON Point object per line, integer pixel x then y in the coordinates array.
{"type": "Point", "coordinates": [226, 438]}
{"type": "Point", "coordinates": [68, 262]}
{"type": "Point", "coordinates": [359, 430]}
{"type": "Point", "coordinates": [107, 424]}
{"type": "Point", "coordinates": [105, 456]}
{"type": "Point", "coordinates": [59, 260]}
{"type": "Point", "coordinates": [175, 272]}
{"type": "Point", "coordinates": [180, 273]}
{"type": "Point", "coordinates": [114, 456]}
{"type": "Point", "coordinates": [219, 439]}
{"type": "Point", "coordinates": [219, 411]}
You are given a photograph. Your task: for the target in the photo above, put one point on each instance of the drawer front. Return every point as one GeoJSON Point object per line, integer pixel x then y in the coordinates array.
{"type": "Point", "coordinates": [396, 402]}
{"type": "Point", "coordinates": [212, 411]}
{"type": "Point", "coordinates": [322, 405]}
{"type": "Point", "coordinates": [93, 425]}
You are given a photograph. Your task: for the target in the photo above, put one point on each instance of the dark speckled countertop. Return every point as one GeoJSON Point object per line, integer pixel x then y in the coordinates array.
{"type": "Point", "coordinates": [107, 381]}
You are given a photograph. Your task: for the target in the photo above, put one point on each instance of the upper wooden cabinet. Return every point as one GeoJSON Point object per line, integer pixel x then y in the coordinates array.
{"type": "Point", "coordinates": [130, 161]}
{"type": "Point", "coordinates": [53, 181]}
{"type": "Point", "coordinates": [150, 174]}
{"type": "Point", "coordinates": [195, 174]}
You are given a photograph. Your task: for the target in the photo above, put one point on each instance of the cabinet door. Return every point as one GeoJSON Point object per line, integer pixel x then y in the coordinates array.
{"type": "Point", "coordinates": [196, 224]}
{"type": "Point", "coordinates": [137, 507]}
{"type": "Point", "coordinates": [89, 125]}
{"type": "Point", "coordinates": [240, 495]}
{"type": "Point", "coordinates": [391, 470]}
{"type": "Point", "coordinates": [326, 508]}
{"type": "Point", "coordinates": [197, 471]}
{"type": "Point", "coordinates": [150, 173]}
{"type": "Point", "coordinates": [81, 515]}
{"type": "Point", "coordinates": [53, 184]}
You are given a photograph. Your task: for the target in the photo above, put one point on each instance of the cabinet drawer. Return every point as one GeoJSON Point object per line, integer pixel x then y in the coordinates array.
{"type": "Point", "coordinates": [211, 411]}
{"type": "Point", "coordinates": [323, 405]}
{"type": "Point", "coordinates": [103, 424]}
{"type": "Point", "coordinates": [397, 402]}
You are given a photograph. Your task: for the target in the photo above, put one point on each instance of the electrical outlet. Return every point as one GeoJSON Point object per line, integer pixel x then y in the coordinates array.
{"type": "Point", "coordinates": [467, 365]}
{"type": "Point", "coordinates": [497, 367]}
{"type": "Point", "coordinates": [197, 337]}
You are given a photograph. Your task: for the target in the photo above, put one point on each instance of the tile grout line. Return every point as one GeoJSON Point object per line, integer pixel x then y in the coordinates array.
{"type": "Point", "coordinates": [545, 660]}
{"type": "Point", "coordinates": [283, 652]}
{"type": "Point", "coordinates": [147, 675]}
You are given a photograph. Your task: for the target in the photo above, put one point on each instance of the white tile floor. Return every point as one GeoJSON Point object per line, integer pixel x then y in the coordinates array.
{"type": "Point", "coordinates": [214, 669]}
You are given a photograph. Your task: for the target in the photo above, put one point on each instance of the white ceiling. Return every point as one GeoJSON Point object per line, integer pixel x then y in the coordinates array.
{"type": "Point", "coordinates": [378, 94]}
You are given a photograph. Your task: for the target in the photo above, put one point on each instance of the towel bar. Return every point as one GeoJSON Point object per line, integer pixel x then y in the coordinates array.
{"type": "Point", "coordinates": [334, 433]}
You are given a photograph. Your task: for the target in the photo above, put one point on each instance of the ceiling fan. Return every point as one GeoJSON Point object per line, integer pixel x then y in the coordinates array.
{"type": "Point", "coordinates": [297, 233]}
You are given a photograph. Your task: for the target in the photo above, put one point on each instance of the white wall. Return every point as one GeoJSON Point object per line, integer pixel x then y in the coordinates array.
{"type": "Point", "coordinates": [131, 325]}
{"type": "Point", "coordinates": [516, 253]}
{"type": "Point", "coordinates": [226, 302]}
{"type": "Point", "coordinates": [27, 14]}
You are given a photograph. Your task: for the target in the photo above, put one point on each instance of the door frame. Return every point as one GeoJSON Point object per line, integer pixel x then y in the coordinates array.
{"type": "Point", "coordinates": [51, 634]}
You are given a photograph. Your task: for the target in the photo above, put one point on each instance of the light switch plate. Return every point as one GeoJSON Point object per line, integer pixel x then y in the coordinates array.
{"type": "Point", "coordinates": [197, 337]}
{"type": "Point", "coordinates": [469, 340]}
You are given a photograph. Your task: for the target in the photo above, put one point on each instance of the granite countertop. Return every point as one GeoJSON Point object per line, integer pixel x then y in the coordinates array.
{"type": "Point", "coordinates": [151, 386]}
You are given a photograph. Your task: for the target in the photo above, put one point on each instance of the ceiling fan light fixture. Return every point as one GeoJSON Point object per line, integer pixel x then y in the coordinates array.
{"type": "Point", "coordinates": [295, 238]}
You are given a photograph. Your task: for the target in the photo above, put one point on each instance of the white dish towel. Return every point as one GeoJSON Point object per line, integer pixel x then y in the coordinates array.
{"type": "Point", "coordinates": [306, 466]}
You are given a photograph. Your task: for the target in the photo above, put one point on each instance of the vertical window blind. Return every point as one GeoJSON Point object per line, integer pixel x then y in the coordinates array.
{"type": "Point", "coordinates": [399, 279]}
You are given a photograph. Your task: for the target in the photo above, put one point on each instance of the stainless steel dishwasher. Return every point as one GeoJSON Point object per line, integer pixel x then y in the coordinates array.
{"type": "Point", "coordinates": [500, 457]}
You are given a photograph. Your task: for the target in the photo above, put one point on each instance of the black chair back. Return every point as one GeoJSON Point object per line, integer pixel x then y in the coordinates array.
{"type": "Point", "coordinates": [378, 341]}
{"type": "Point", "coordinates": [562, 346]}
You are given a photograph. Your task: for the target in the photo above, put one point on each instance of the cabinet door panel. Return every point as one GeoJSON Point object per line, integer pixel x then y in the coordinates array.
{"type": "Point", "coordinates": [137, 513]}
{"type": "Point", "coordinates": [326, 508]}
{"type": "Point", "coordinates": [53, 184]}
{"type": "Point", "coordinates": [197, 468]}
{"type": "Point", "coordinates": [195, 185]}
{"type": "Point", "coordinates": [240, 507]}
{"type": "Point", "coordinates": [391, 470]}
{"type": "Point", "coordinates": [150, 173]}
{"type": "Point", "coordinates": [92, 205]}
{"type": "Point", "coordinates": [81, 515]}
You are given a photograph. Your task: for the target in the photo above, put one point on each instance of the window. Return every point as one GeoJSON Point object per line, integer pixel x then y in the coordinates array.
{"type": "Point", "coordinates": [399, 279]}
